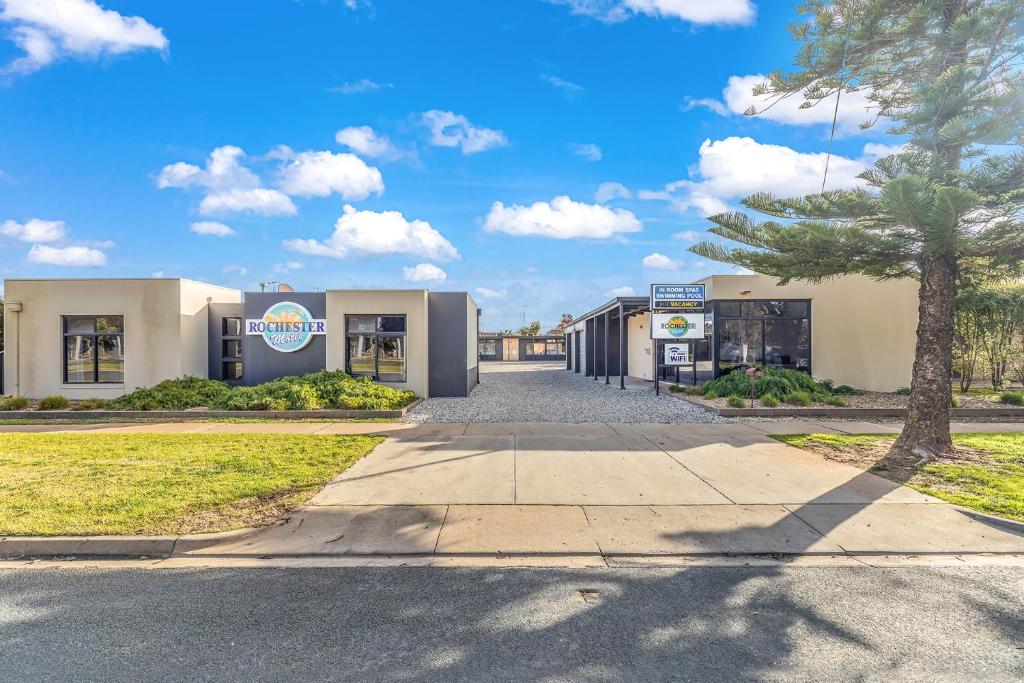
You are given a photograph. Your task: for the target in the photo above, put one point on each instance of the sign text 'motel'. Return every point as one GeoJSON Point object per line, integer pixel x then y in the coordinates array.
{"type": "Point", "coordinates": [677, 297]}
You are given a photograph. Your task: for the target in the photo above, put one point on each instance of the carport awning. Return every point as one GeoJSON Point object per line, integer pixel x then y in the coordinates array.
{"type": "Point", "coordinates": [631, 305]}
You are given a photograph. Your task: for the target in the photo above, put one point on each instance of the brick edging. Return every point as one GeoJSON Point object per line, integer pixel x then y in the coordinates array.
{"type": "Point", "coordinates": [792, 411]}
{"type": "Point", "coordinates": [133, 415]}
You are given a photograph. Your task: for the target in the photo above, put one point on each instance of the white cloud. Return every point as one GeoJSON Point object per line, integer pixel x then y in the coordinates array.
{"type": "Point", "coordinates": [47, 30]}
{"type": "Point", "coordinates": [257, 200]}
{"type": "Point", "coordinates": [34, 230]}
{"type": "Point", "coordinates": [241, 271]}
{"type": "Point", "coordinates": [230, 187]}
{"type": "Point", "coordinates": [211, 228]}
{"type": "Point", "coordinates": [562, 218]}
{"type": "Point", "coordinates": [609, 191]}
{"type": "Point", "coordinates": [223, 172]}
{"type": "Point", "coordinates": [492, 294]}
{"type": "Point", "coordinates": [287, 267]}
{"type": "Point", "coordinates": [66, 256]}
{"type": "Point", "coordinates": [738, 97]}
{"type": "Point", "coordinates": [658, 261]}
{"type": "Point", "coordinates": [360, 86]}
{"type": "Point", "coordinates": [735, 167]}
{"type": "Point", "coordinates": [625, 290]}
{"type": "Point", "coordinates": [358, 233]}
{"type": "Point", "coordinates": [588, 151]}
{"type": "Point", "coordinates": [424, 272]}
{"type": "Point", "coordinates": [688, 236]}
{"type": "Point", "coordinates": [448, 129]}
{"type": "Point", "coordinates": [567, 87]}
{"type": "Point", "coordinates": [368, 142]}
{"type": "Point", "coordinates": [318, 174]}
{"type": "Point", "coordinates": [158, 273]}
{"type": "Point", "coordinates": [693, 11]}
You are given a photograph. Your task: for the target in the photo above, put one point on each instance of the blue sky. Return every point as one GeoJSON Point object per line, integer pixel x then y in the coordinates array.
{"type": "Point", "coordinates": [540, 155]}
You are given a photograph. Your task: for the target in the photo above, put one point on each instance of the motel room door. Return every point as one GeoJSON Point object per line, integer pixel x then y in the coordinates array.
{"type": "Point", "coordinates": [576, 351]}
{"type": "Point", "coordinates": [510, 348]}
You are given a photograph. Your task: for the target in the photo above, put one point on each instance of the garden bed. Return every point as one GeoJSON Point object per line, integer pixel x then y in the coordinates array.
{"type": "Point", "coordinates": [205, 414]}
{"type": "Point", "coordinates": [319, 394]}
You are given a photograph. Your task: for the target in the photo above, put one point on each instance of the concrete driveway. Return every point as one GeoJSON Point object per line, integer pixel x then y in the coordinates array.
{"type": "Point", "coordinates": [607, 493]}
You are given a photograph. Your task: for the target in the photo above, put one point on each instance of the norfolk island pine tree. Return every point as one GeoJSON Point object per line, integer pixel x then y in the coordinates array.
{"type": "Point", "coordinates": [945, 75]}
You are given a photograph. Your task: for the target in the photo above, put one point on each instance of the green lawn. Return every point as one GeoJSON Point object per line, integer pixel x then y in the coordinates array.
{"type": "Point", "coordinates": [86, 484]}
{"type": "Point", "coordinates": [986, 474]}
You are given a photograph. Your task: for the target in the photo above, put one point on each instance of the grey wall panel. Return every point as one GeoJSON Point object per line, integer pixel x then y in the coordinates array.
{"type": "Point", "coordinates": [217, 313]}
{"type": "Point", "coordinates": [261, 362]}
{"type": "Point", "coordinates": [448, 353]}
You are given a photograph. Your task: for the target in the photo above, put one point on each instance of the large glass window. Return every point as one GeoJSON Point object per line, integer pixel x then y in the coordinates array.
{"type": "Point", "coordinates": [488, 348]}
{"type": "Point", "coordinates": [772, 332]}
{"type": "Point", "coordinates": [93, 349]}
{"type": "Point", "coordinates": [376, 347]}
{"type": "Point", "coordinates": [739, 344]}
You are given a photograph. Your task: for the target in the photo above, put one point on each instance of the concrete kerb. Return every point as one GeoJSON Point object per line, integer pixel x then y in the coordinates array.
{"type": "Point", "coordinates": [16, 547]}
{"type": "Point", "coordinates": [846, 413]}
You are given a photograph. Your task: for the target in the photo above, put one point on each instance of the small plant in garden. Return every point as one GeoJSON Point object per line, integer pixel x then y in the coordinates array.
{"type": "Point", "coordinates": [694, 391]}
{"type": "Point", "coordinates": [736, 402]}
{"type": "Point", "coordinates": [903, 391]}
{"type": "Point", "coordinates": [769, 401]}
{"type": "Point", "coordinates": [91, 404]}
{"type": "Point", "coordinates": [799, 398]}
{"type": "Point", "coordinates": [847, 390]}
{"type": "Point", "coordinates": [836, 401]}
{"type": "Point", "coordinates": [1013, 398]}
{"type": "Point", "coordinates": [13, 403]}
{"type": "Point", "coordinates": [954, 401]}
{"type": "Point", "coordinates": [52, 403]}
{"type": "Point", "coordinates": [676, 389]}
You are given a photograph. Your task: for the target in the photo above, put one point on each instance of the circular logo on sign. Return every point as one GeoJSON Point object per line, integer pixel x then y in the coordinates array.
{"type": "Point", "coordinates": [677, 325]}
{"type": "Point", "coordinates": [288, 326]}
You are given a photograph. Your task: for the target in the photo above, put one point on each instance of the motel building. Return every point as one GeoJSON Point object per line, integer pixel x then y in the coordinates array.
{"type": "Point", "coordinates": [851, 330]}
{"type": "Point", "coordinates": [85, 338]}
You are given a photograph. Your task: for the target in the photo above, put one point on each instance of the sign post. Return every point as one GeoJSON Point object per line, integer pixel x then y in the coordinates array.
{"type": "Point", "coordinates": [677, 313]}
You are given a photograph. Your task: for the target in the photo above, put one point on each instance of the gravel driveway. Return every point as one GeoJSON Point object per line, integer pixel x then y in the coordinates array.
{"type": "Point", "coordinates": [546, 392]}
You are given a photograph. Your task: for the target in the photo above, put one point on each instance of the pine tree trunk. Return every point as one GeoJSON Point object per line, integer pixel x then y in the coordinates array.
{"type": "Point", "coordinates": [926, 433]}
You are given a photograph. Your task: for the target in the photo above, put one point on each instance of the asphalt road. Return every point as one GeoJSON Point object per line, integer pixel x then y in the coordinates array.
{"type": "Point", "coordinates": [426, 624]}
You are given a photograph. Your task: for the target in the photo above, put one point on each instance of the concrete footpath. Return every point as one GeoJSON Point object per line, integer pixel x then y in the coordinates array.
{"type": "Point", "coordinates": [583, 495]}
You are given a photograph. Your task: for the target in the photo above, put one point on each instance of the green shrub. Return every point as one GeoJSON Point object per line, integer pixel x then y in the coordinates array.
{"type": "Point", "coordinates": [836, 401]}
{"type": "Point", "coordinates": [954, 401]}
{"type": "Point", "coordinates": [91, 404]}
{"type": "Point", "coordinates": [324, 389]}
{"type": "Point", "coordinates": [52, 403]}
{"type": "Point", "coordinates": [903, 391]}
{"type": "Point", "coordinates": [799, 398]}
{"type": "Point", "coordinates": [694, 391]}
{"type": "Point", "coordinates": [776, 382]}
{"type": "Point", "coordinates": [1013, 398]}
{"type": "Point", "coordinates": [769, 401]}
{"type": "Point", "coordinates": [676, 389]}
{"type": "Point", "coordinates": [13, 403]}
{"type": "Point", "coordinates": [847, 390]}
{"type": "Point", "coordinates": [737, 402]}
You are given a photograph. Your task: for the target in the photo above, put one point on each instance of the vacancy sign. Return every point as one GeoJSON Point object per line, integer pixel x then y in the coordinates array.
{"type": "Point", "coordinates": [677, 354]}
{"type": "Point", "coordinates": [677, 297]}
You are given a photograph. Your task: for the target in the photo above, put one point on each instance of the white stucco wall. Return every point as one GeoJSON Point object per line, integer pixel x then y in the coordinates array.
{"type": "Point", "coordinates": [409, 302]}
{"type": "Point", "coordinates": [155, 346]}
{"type": "Point", "coordinates": [639, 361]}
{"type": "Point", "coordinates": [863, 331]}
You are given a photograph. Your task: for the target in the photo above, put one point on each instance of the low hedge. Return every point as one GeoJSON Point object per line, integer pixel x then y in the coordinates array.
{"type": "Point", "coordinates": [777, 383]}
{"type": "Point", "coordinates": [324, 389]}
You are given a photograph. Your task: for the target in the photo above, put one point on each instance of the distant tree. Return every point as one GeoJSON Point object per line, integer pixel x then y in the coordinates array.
{"type": "Point", "coordinates": [531, 330]}
{"type": "Point", "coordinates": [507, 333]}
{"type": "Point", "coordinates": [947, 75]}
{"type": "Point", "coordinates": [566, 320]}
